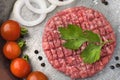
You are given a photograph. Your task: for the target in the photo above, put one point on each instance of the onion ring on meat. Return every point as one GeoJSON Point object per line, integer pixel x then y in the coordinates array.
{"type": "Point", "coordinates": [16, 11]}
{"type": "Point", "coordinates": [39, 11]}
{"type": "Point", "coordinates": [60, 3]}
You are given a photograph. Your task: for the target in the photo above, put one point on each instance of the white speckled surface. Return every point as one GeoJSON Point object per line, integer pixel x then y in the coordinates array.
{"type": "Point", "coordinates": [112, 13]}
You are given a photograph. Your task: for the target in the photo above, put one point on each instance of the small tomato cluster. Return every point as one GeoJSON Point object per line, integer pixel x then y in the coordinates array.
{"type": "Point", "coordinates": [19, 67]}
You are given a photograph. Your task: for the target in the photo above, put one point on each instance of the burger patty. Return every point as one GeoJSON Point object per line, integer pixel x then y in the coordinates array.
{"type": "Point", "coordinates": [69, 61]}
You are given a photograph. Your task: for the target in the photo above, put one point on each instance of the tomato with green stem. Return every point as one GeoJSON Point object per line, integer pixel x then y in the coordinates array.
{"type": "Point", "coordinates": [20, 67]}
{"type": "Point", "coordinates": [12, 49]}
{"type": "Point", "coordinates": [11, 30]}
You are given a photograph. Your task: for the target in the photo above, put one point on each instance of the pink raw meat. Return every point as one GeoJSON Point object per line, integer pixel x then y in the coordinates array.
{"type": "Point", "coordinates": [69, 61]}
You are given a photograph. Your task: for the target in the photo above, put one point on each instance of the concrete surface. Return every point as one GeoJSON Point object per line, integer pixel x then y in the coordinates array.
{"type": "Point", "coordinates": [112, 13]}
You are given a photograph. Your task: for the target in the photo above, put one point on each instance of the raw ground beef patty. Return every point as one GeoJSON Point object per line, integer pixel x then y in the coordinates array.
{"type": "Point", "coordinates": [69, 61]}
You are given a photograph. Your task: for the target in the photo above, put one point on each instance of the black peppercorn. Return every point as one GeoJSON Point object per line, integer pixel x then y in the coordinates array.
{"type": "Point", "coordinates": [116, 58]}
{"type": "Point", "coordinates": [40, 58]}
{"type": "Point", "coordinates": [112, 67]}
{"type": "Point", "coordinates": [104, 2]}
{"type": "Point", "coordinates": [43, 64]}
{"type": "Point", "coordinates": [118, 65]}
{"type": "Point", "coordinates": [60, 0]}
{"type": "Point", "coordinates": [36, 51]}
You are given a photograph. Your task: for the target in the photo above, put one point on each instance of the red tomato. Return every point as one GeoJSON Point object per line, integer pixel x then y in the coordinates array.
{"type": "Point", "coordinates": [11, 50]}
{"type": "Point", "coordinates": [10, 30]}
{"type": "Point", "coordinates": [20, 68]}
{"type": "Point", "coordinates": [36, 75]}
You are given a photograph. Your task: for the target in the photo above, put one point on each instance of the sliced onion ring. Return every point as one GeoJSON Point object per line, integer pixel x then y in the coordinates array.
{"type": "Point", "coordinates": [60, 3]}
{"type": "Point", "coordinates": [16, 11]}
{"type": "Point", "coordinates": [39, 11]}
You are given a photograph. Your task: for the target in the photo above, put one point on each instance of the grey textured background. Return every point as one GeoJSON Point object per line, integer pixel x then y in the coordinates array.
{"type": "Point", "coordinates": [5, 9]}
{"type": "Point", "coordinates": [34, 39]}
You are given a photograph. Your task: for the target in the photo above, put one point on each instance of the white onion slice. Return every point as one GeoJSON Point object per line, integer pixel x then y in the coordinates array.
{"type": "Point", "coordinates": [16, 11]}
{"type": "Point", "coordinates": [39, 11]}
{"type": "Point", "coordinates": [60, 3]}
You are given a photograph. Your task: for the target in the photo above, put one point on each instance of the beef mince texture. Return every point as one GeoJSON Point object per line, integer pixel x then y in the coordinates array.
{"type": "Point", "coordinates": [69, 61]}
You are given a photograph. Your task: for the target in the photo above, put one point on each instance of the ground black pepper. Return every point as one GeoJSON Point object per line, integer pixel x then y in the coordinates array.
{"type": "Point", "coordinates": [43, 64]}
{"type": "Point", "coordinates": [40, 58]}
{"type": "Point", "coordinates": [112, 67]}
{"type": "Point", "coordinates": [36, 51]}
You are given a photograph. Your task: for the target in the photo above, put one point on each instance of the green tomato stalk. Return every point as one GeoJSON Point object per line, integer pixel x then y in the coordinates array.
{"type": "Point", "coordinates": [24, 31]}
{"type": "Point", "coordinates": [21, 43]}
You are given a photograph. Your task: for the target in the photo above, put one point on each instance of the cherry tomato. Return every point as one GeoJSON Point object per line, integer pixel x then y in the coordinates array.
{"type": "Point", "coordinates": [20, 68]}
{"type": "Point", "coordinates": [10, 30]}
{"type": "Point", "coordinates": [36, 75]}
{"type": "Point", "coordinates": [11, 50]}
